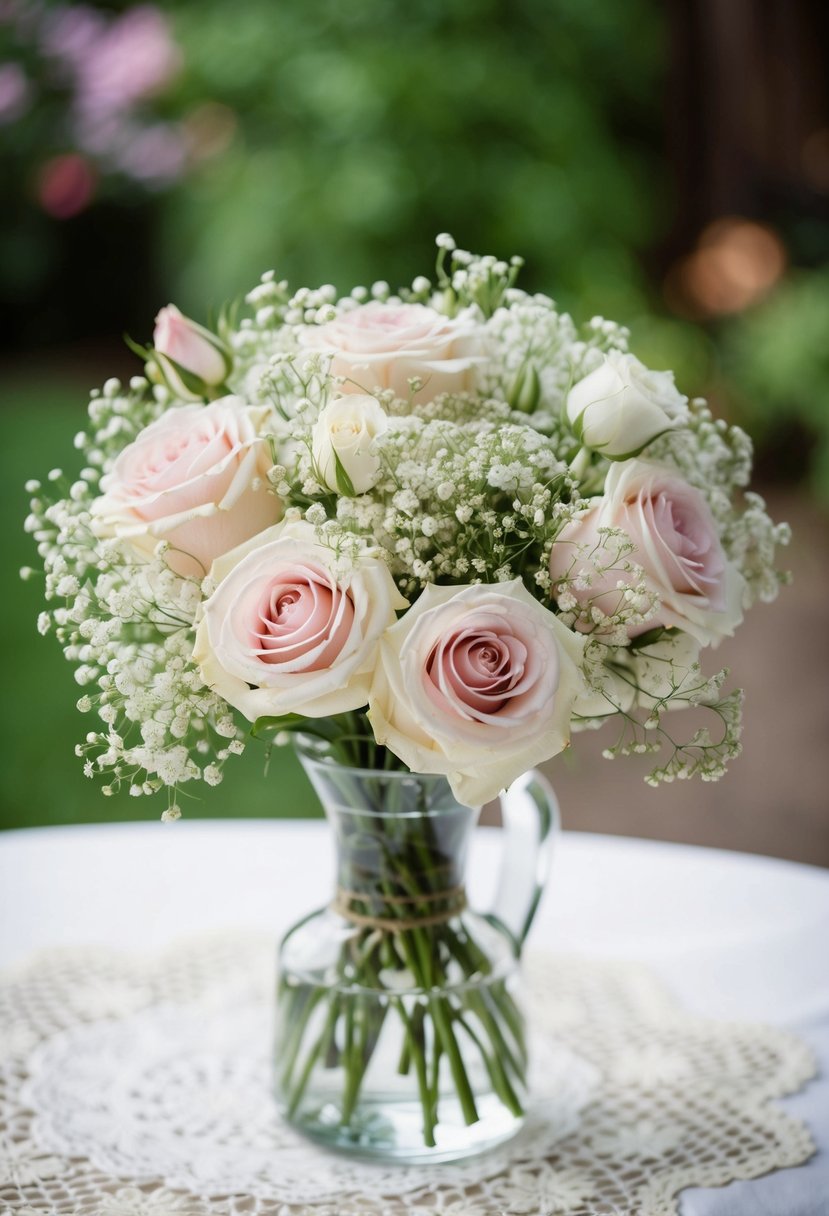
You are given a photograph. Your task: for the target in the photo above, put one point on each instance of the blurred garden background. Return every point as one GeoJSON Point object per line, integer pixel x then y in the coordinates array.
{"type": "Point", "coordinates": [666, 165]}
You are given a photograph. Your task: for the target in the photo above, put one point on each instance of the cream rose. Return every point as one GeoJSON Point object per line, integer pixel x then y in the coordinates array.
{"type": "Point", "coordinates": [676, 543]}
{"type": "Point", "coordinates": [384, 345]}
{"type": "Point", "coordinates": [189, 356]}
{"type": "Point", "coordinates": [286, 633]}
{"type": "Point", "coordinates": [342, 442]}
{"type": "Point", "coordinates": [665, 671]}
{"type": "Point", "coordinates": [611, 689]}
{"type": "Point", "coordinates": [195, 478]}
{"type": "Point", "coordinates": [478, 683]}
{"type": "Point", "coordinates": [668, 667]}
{"type": "Point", "coordinates": [621, 406]}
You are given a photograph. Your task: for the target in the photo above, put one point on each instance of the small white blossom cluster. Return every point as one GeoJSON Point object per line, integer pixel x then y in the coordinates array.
{"type": "Point", "coordinates": [463, 431]}
{"type": "Point", "coordinates": [637, 685]}
{"type": "Point", "coordinates": [716, 458]}
{"type": "Point", "coordinates": [117, 415]}
{"type": "Point", "coordinates": [608, 557]}
{"type": "Point", "coordinates": [539, 354]}
{"type": "Point", "coordinates": [127, 624]}
{"type": "Point", "coordinates": [463, 503]}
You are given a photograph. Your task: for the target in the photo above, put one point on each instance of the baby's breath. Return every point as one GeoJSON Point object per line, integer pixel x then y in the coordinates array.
{"type": "Point", "coordinates": [127, 624]}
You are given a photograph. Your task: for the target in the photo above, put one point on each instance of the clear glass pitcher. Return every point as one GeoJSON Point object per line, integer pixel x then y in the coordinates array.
{"type": "Point", "coordinates": [400, 1032]}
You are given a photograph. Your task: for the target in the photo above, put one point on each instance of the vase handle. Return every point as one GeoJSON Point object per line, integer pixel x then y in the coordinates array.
{"type": "Point", "coordinates": [530, 818]}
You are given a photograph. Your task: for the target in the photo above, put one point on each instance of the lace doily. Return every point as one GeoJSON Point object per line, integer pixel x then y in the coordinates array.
{"type": "Point", "coordinates": [135, 1086]}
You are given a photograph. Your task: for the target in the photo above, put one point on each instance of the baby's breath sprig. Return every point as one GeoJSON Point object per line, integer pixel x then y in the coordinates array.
{"type": "Point", "coordinates": [701, 756]}
{"type": "Point", "coordinates": [611, 554]}
{"type": "Point", "coordinates": [463, 503]}
{"type": "Point", "coordinates": [471, 280]}
{"type": "Point", "coordinates": [126, 623]}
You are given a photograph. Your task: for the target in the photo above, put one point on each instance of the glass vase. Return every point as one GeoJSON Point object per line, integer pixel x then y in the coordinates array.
{"type": "Point", "coordinates": [400, 1030]}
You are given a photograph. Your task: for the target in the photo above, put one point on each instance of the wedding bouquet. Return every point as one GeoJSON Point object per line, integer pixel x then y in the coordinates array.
{"type": "Point", "coordinates": [441, 530]}
{"type": "Point", "coordinates": [433, 532]}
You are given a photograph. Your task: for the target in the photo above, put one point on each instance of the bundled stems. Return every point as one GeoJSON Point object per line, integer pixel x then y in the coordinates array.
{"type": "Point", "coordinates": [408, 968]}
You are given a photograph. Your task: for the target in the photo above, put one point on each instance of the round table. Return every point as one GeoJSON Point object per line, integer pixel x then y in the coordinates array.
{"type": "Point", "coordinates": [733, 936]}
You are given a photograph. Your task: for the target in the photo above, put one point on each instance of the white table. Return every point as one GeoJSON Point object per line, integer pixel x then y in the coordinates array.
{"type": "Point", "coordinates": [733, 936]}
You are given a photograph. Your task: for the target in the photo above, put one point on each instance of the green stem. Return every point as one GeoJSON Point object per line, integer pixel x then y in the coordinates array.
{"type": "Point", "coordinates": [497, 1073]}
{"type": "Point", "coordinates": [428, 1107]}
{"type": "Point", "coordinates": [434, 1081]}
{"type": "Point", "coordinates": [319, 1048]}
{"type": "Point", "coordinates": [449, 1044]}
{"type": "Point", "coordinates": [471, 959]}
{"type": "Point", "coordinates": [353, 1055]}
{"type": "Point", "coordinates": [298, 1020]}
{"type": "Point", "coordinates": [386, 854]}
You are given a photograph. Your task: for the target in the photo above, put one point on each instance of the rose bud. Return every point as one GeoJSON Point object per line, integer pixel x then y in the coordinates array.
{"type": "Point", "coordinates": [191, 359]}
{"type": "Point", "coordinates": [622, 406]}
{"type": "Point", "coordinates": [342, 444]}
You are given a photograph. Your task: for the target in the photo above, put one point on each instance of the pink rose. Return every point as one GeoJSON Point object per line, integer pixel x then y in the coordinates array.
{"type": "Point", "coordinates": [383, 346]}
{"type": "Point", "coordinates": [189, 356]}
{"type": "Point", "coordinates": [287, 632]}
{"type": "Point", "coordinates": [195, 478]}
{"type": "Point", "coordinates": [477, 683]}
{"type": "Point", "coordinates": [676, 544]}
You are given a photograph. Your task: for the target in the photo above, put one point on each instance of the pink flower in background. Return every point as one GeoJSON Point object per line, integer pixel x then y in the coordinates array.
{"type": "Point", "coordinates": [116, 62]}
{"type": "Point", "coordinates": [15, 92]}
{"type": "Point", "coordinates": [126, 62]}
{"type": "Point", "coordinates": [154, 154]}
{"type": "Point", "coordinates": [66, 185]}
{"type": "Point", "coordinates": [111, 65]}
{"type": "Point", "coordinates": [134, 58]}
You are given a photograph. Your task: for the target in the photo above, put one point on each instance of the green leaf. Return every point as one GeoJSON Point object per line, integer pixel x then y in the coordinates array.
{"type": "Point", "coordinates": [321, 728]}
{"type": "Point", "coordinates": [653, 635]}
{"type": "Point", "coordinates": [267, 725]}
{"type": "Point", "coordinates": [192, 383]}
{"type": "Point", "coordinates": [635, 451]}
{"type": "Point", "coordinates": [344, 483]}
{"type": "Point", "coordinates": [143, 352]}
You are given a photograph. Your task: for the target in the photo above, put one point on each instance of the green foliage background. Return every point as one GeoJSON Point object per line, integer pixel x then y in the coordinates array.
{"type": "Point", "coordinates": [368, 127]}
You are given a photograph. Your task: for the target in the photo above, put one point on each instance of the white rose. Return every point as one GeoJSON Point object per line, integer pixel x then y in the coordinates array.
{"type": "Point", "coordinates": [286, 632]}
{"type": "Point", "coordinates": [189, 356]}
{"type": "Point", "coordinates": [667, 667]}
{"type": "Point", "coordinates": [610, 690]}
{"type": "Point", "coordinates": [196, 478]}
{"type": "Point", "coordinates": [384, 345]}
{"type": "Point", "coordinates": [676, 543]}
{"type": "Point", "coordinates": [342, 441]}
{"type": "Point", "coordinates": [622, 405]}
{"type": "Point", "coordinates": [477, 683]}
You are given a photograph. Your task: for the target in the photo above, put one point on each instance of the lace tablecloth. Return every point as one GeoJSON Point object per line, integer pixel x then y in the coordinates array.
{"type": "Point", "coordinates": [139, 1086]}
